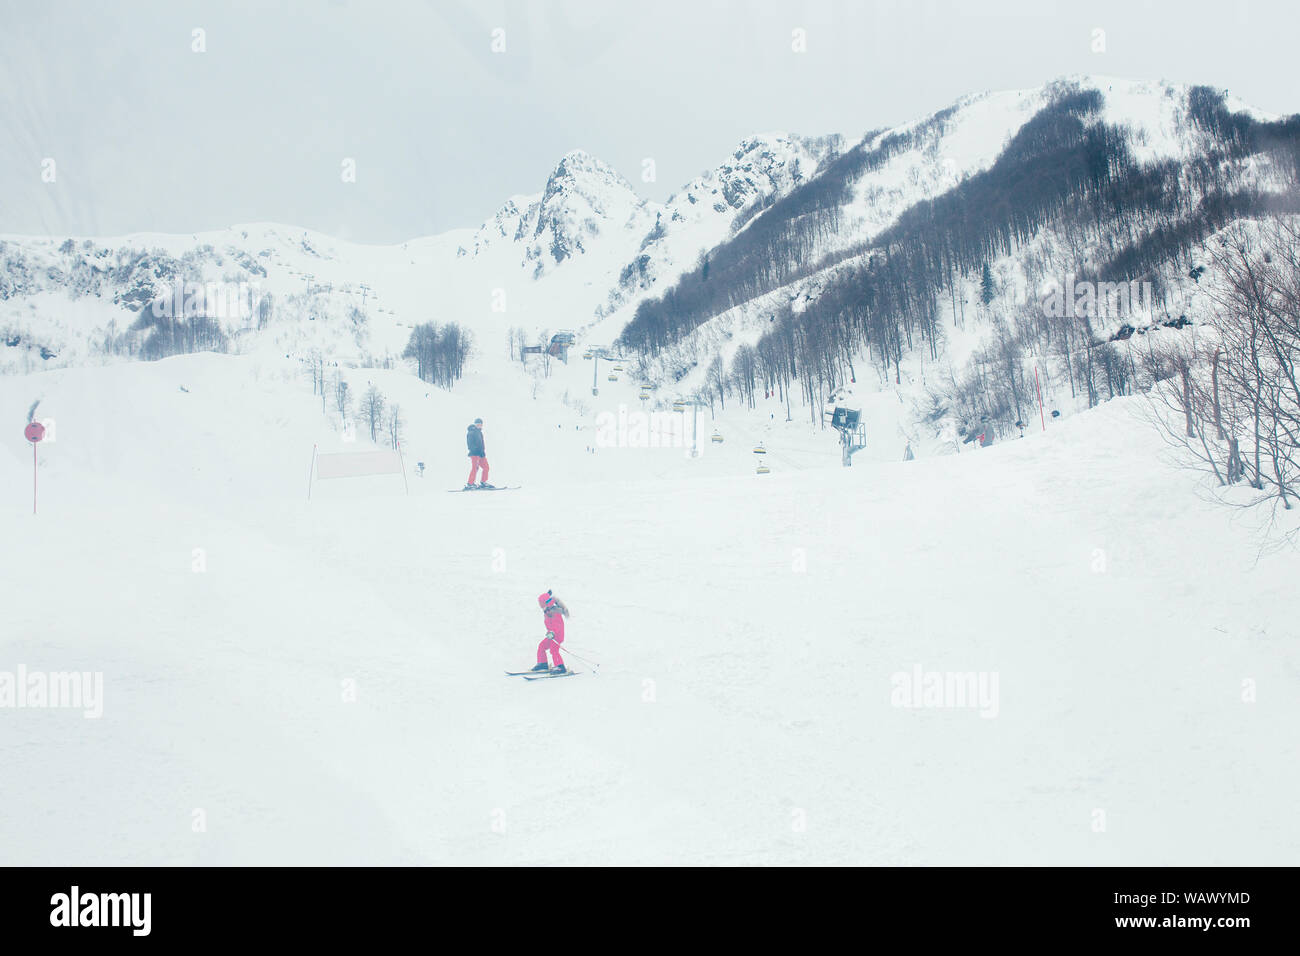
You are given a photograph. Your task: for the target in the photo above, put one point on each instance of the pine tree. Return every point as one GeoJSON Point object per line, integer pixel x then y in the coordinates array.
{"type": "Point", "coordinates": [987, 289]}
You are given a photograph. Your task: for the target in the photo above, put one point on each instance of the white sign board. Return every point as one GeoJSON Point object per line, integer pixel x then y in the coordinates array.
{"type": "Point", "coordinates": [357, 464]}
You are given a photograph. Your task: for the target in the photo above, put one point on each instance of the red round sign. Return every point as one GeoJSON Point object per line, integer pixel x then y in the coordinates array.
{"type": "Point", "coordinates": [34, 432]}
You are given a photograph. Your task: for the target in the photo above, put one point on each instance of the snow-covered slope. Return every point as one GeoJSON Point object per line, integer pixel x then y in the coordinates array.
{"type": "Point", "coordinates": [319, 681]}
{"type": "Point", "coordinates": [322, 681]}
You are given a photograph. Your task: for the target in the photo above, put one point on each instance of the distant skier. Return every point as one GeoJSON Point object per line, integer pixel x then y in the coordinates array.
{"type": "Point", "coordinates": [477, 455]}
{"type": "Point", "coordinates": [553, 614]}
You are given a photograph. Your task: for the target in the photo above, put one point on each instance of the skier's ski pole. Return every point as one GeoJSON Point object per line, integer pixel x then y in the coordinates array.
{"type": "Point", "coordinates": [595, 667]}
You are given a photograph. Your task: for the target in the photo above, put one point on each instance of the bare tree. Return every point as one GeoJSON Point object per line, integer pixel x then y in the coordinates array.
{"type": "Point", "coordinates": [372, 411]}
{"type": "Point", "coordinates": [716, 378]}
{"type": "Point", "coordinates": [395, 424]}
{"type": "Point", "coordinates": [440, 352]}
{"type": "Point", "coordinates": [544, 342]}
{"type": "Point", "coordinates": [316, 368]}
{"type": "Point", "coordinates": [744, 371]}
{"type": "Point", "coordinates": [518, 339]}
{"type": "Point", "coordinates": [265, 310]}
{"type": "Point", "coordinates": [1258, 321]}
{"type": "Point", "coordinates": [1183, 405]}
{"type": "Point", "coordinates": [1241, 392]}
{"type": "Point", "coordinates": [342, 397]}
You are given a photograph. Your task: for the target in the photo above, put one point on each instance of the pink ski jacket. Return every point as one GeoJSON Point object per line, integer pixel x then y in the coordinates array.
{"type": "Point", "coordinates": [553, 618]}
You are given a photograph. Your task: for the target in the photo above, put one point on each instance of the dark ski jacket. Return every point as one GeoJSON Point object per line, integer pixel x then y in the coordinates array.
{"type": "Point", "coordinates": [474, 439]}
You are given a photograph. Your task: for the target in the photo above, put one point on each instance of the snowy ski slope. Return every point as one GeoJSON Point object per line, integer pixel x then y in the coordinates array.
{"type": "Point", "coordinates": [749, 631]}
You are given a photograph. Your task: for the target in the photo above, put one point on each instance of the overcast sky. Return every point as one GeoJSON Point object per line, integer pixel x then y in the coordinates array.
{"type": "Point", "coordinates": [148, 135]}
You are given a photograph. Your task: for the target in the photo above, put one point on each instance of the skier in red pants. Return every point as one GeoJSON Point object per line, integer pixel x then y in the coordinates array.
{"type": "Point", "coordinates": [554, 612]}
{"type": "Point", "coordinates": [477, 456]}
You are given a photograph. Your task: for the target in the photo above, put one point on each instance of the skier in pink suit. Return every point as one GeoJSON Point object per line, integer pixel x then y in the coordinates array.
{"type": "Point", "coordinates": [553, 614]}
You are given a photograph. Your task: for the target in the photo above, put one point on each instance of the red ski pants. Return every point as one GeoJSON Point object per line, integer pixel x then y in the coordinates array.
{"type": "Point", "coordinates": [475, 463]}
{"type": "Point", "coordinates": [551, 644]}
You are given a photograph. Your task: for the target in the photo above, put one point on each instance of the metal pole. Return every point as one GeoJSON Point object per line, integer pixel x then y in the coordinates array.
{"type": "Point", "coordinates": [1041, 417]}
{"type": "Point", "coordinates": [595, 668]}
{"type": "Point", "coordinates": [311, 471]}
{"type": "Point", "coordinates": [33, 477]}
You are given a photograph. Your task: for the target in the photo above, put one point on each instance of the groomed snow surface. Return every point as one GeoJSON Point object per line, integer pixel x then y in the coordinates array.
{"type": "Point", "coordinates": [748, 629]}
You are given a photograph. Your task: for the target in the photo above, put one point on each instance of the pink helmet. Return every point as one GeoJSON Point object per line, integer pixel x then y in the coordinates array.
{"type": "Point", "coordinates": [545, 601]}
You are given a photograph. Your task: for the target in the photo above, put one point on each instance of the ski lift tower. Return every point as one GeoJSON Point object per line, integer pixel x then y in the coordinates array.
{"type": "Point", "coordinates": [680, 406]}
{"type": "Point", "coordinates": [853, 434]}
{"type": "Point", "coordinates": [595, 354]}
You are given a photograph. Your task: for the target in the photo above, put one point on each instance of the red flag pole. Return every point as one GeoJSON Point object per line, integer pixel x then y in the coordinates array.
{"type": "Point", "coordinates": [1041, 417]}
{"type": "Point", "coordinates": [34, 432]}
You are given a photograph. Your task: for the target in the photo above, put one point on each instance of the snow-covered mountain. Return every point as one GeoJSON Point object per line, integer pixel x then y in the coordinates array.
{"type": "Point", "coordinates": [585, 203]}
{"type": "Point", "coordinates": [312, 667]}
{"type": "Point", "coordinates": [974, 211]}
{"type": "Point", "coordinates": [774, 227]}
{"type": "Point", "coordinates": [584, 244]}
{"type": "Point", "coordinates": [701, 214]}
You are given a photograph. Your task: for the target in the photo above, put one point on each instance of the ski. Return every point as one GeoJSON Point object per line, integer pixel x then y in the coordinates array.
{"type": "Point", "coordinates": [502, 488]}
{"type": "Point", "coordinates": [540, 676]}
